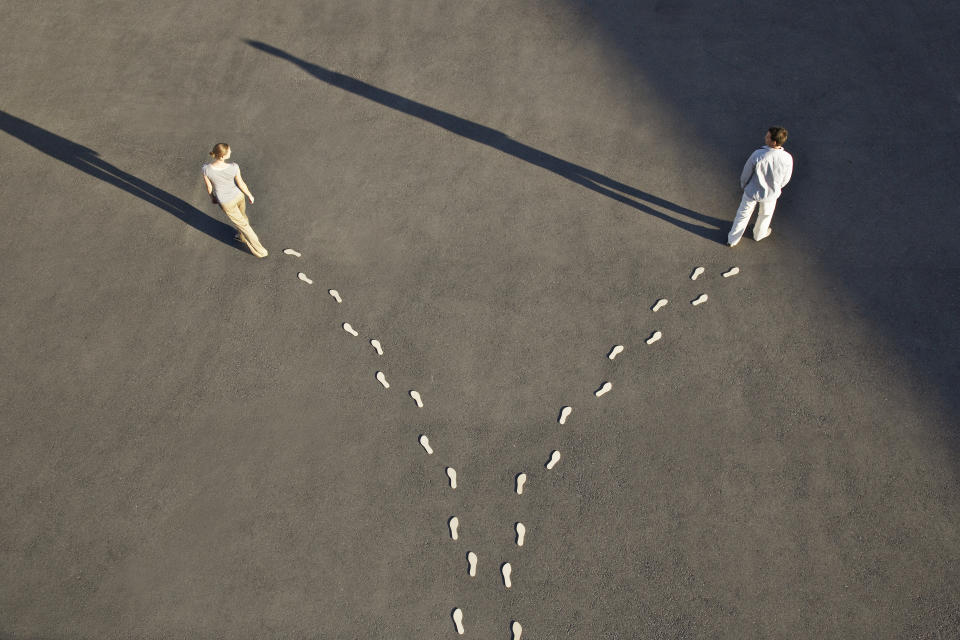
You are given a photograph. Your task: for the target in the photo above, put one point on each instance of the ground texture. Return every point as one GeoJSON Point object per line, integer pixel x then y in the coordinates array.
{"type": "Point", "coordinates": [192, 447]}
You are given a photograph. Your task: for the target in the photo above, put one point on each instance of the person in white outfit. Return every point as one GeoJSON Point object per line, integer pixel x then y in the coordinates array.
{"type": "Point", "coordinates": [766, 173]}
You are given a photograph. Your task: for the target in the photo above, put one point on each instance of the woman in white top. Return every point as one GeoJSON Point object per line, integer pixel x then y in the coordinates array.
{"type": "Point", "coordinates": [227, 188]}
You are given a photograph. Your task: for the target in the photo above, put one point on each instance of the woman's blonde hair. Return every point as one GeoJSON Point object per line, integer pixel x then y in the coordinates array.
{"type": "Point", "coordinates": [219, 150]}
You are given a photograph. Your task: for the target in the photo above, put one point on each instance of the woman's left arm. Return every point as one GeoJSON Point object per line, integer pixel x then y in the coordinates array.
{"type": "Point", "coordinates": [209, 184]}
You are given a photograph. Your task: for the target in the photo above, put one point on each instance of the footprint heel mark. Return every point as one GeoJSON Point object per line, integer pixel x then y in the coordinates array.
{"type": "Point", "coordinates": [699, 299]}
{"type": "Point", "coordinates": [521, 533]}
{"type": "Point", "coordinates": [617, 350]}
{"type": "Point", "coordinates": [335, 295]}
{"type": "Point", "coordinates": [554, 459]}
{"type": "Point", "coordinates": [661, 303]}
{"type": "Point", "coordinates": [506, 570]}
{"type": "Point", "coordinates": [304, 277]}
{"type": "Point", "coordinates": [564, 414]}
{"type": "Point", "coordinates": [604, 388]}
{"type": "Point", "coordinates": [697, 273]}
{"type": "Point", "coordinates": [292, 252]}
{"type": "Point", "coordinates": [656, 335]}
{"type": "Point", "coordinates": [416, 398]}
{"type": "Point", "coordinates": [376, 345]}
{"type": "Point", "coordinates": [457, 616]}
{"type": "Point", "coordinates": [382, 379]}
{"type": "Point", "coordinates": [425, 443]}
{"type": "Point", "coordinates": [521, 480]}
{"type": "Point", "coordinates": [452, 474]}
{"type": "Point", "coordinates": [454, 523]}
{"type": "Point", "coordinates": [516, 630]}
{"type": "Point", "coordinates": [472, 564]}
{"type": "Point", "coordinates": [732, 272]}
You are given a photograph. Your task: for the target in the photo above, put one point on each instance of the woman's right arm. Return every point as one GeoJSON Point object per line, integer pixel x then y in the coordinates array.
{"type": "Point", "coordinates": [243, 185]}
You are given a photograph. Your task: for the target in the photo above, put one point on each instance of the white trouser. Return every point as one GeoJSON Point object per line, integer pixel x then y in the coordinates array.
{"type": "Point", "coordinates": [762, 227]}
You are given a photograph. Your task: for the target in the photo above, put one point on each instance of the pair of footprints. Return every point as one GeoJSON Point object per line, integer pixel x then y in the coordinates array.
{"type": "Point", "coordinates": [519, 527]}
{"type": "Point", "coordinates": [515, 628]}
{"type": "Point", "coordinates": [699, 271]}
{"type": "Point", "coordinates": [506, 569]}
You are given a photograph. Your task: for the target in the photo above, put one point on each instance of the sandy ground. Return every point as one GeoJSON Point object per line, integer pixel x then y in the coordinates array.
{"type": "Point", "coordinates": [193, 447]}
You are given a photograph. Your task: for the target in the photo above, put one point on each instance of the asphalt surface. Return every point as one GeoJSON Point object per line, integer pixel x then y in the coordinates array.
{"type": "Point", "coordinates": [193, 447]}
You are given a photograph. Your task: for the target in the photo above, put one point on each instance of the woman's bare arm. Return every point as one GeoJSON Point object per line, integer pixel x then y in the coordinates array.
{"type": "Point", "coordinates": [243, 186]}
{"type": "Point", "coordinates": [209, 184]}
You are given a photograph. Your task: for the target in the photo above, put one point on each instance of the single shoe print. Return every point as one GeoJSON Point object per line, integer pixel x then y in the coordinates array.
{"type": "Point", "coordinates": [554, 459]}
{"type": "Point", "coordinates": [425, 443]}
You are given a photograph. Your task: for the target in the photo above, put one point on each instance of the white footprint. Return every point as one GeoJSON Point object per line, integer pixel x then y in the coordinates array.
{"type": "Point", "coordinates": [416, 398]}
{"type": "Point", "coordinates": [617, 350]}
{"type": "Point", "coordinates": [734, 271]}
{"type": "Point", "coordinates": [564, 414]}
{"type": "Point", "coordinates": [292, 252]}
{"type": "Point", "coordinates": [452, 474]}
{"type": "Point", "coordinates": [604, 388]}
{"type": "Point", "coordinates": [458, 620]}
{"type": "Point", "coordinates": [521, 532]}
{"type": "Point", "coordinates": [349, 329]}
{"type": "Point", "coordinates": [304, 277]}
{"type": "Point", "coordinates": [656, 335]}
{"type": "Point", "coordinates": [521, 480]}
{"type": "Point", "coordinates": [382, 379]}
{"type": "Point", "coordinates": [425, 443]}
{"type": "Point", "coordinates": [472, 564]}
{"type": "Point", "coordinates": [699, 300]}
{"type": "Point", "coordinates": [697, 273]}
{"type": "Point", "coordinates": [661, 303]}
{"type": "Point", "coordinates": [516, 629]}
{"type": "Point", "coordinates": [336, 295]}
{"type": "Point", "coordinates": [454, 525]}
{"type": "Point", "coordinates": [554, 459]}
{"type": "Point", "coordinates": [506, 570]}
{"type": "Point", "coordinates": [376, 345]}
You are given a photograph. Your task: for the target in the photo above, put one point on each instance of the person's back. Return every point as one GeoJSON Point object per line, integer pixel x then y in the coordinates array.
{"type": "Point", "coordinates": [223, 179]}
{"type": "Point", "coordinates": [772, 169]}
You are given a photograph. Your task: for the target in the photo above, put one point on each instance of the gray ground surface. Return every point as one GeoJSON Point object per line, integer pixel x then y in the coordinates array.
{"type": "Point", "coordinates": [192, 447]}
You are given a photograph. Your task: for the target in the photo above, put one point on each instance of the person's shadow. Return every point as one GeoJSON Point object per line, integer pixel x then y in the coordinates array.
{"type": "Point", "coordinates": [498, 140]}
{"type": "Point", "coordinates": [90, 162]}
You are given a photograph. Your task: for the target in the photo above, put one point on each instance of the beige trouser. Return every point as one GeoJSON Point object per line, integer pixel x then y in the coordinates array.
{"type": "Point", "coordinates": [237, 212]}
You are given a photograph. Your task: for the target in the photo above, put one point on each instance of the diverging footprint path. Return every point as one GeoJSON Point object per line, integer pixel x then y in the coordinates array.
{"type": "Point", "coordinates": [516, 480]}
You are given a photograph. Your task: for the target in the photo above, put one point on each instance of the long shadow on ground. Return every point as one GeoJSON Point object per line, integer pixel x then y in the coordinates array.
{"type": "Point", "coordinates": [592, 180]}
{"type": "Point", "coordinates": [90, 162]}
